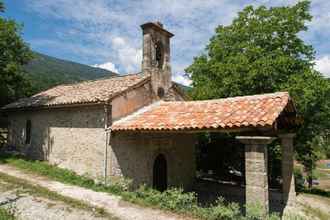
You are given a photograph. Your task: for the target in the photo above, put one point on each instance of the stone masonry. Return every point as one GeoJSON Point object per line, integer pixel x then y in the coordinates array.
{"type": "Point", "coordinates": [288, 185]}
{"type": "Point", "coordinates": [256, 170]}
{"type": "Point", "coordinates": [75, 137]}
{"type": "Point", "coordinates": [133, 156]}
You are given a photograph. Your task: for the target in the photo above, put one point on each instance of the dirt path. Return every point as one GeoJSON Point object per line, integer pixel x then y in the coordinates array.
{"type": "Point", "coordinates": [30, 207]}
{"type": "Point", "coordinates": [112, 204]}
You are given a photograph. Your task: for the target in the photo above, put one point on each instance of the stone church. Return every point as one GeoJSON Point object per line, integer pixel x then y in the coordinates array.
{"type": "Point", "coordinates": [143, 127]}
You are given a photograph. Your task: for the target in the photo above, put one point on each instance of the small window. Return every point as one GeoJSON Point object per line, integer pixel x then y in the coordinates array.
{"type": "Point", "coordinates": [28, 132]}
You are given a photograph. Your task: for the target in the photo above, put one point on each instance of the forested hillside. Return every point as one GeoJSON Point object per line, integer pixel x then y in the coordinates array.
{"type": "Point", "coordinates": [46, 71]}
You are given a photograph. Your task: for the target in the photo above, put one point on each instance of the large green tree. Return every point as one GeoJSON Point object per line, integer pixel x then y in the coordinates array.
{"type": "Point", "coordinates": [14, 53]}
{"type": "Point", "coordinates": [2, 7]}
{"type": "Point", "coordinates": [262, 52]}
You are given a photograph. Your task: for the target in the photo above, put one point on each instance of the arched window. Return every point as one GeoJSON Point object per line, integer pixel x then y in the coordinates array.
{"type": "Point", "coordinates": [28, 132]}
{"type": "Point", "coordinates": [159, 55]}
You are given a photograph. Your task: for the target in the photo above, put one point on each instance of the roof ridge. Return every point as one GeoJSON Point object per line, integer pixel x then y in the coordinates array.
{"type": "Point", "coordinates": [85, 81]}
{"type": "Point", "coordinates": [99, 79]}
{"type": "Point", "coordinates": [256, 96]}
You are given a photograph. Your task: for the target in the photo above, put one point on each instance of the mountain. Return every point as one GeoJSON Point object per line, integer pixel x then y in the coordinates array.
{"type": "Point", "coordinates": [46, 71]}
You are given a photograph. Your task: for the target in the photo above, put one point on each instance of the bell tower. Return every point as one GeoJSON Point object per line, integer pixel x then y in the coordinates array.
{"type": "Point", "coordinates": [156, 56]}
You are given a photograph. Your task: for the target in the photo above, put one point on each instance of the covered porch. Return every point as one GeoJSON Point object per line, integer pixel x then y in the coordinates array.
{"type": "Point", "coordinates": [256, 121]}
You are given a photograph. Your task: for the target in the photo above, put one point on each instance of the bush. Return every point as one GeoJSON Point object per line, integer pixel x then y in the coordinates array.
{"type": "Point", "coordinates": [222, 211]}
{"type": "Point", "coordinates": [171, 199]}
{"type": "Point", "coordinates": [119, 184]}
{"type": "Point", "coordinates": [256, 212]}
{"type": "Point", "coordinates": [299, 179]}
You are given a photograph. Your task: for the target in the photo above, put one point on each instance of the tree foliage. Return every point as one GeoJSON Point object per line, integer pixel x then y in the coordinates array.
{"type": "Point", "coordinates": [2, 6]}
{"type": "Point", "coordinates": [14, 54]}
{"type": "Point", "coordinates": [262, 52]}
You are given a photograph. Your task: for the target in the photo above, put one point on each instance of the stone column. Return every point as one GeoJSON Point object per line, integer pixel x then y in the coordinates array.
{"type": "Point", "coordinates": [288, 187]}
{"type": "Point", "coordinates": [256, 175]}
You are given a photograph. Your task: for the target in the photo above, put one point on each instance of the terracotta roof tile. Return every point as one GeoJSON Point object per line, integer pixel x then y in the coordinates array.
{"type": "Point", "coordinates": [96, 91]}
{"type": "Point", "coordinates": [236, 112]}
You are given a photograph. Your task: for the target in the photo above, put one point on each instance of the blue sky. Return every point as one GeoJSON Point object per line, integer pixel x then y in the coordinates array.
{"type": "Point", "coordinates": [107, 32]}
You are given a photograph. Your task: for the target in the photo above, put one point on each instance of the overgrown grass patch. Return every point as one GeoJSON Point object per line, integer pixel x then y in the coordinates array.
{"type": "Point", "coordinates": [5, 215]}
{"type": "Point", "coordinates": [314, 212]}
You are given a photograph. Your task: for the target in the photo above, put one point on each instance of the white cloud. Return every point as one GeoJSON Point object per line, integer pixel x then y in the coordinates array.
{"type": "Point", "coordinates": [323, 65]}
{"type": "Point", "coordinates": [109, 30]}
{"type": "Point", "coordinates": [129, 56]}
{"type": "Point", "coordinates": [182, 79]}
{"type": "Point", "coordinates": [108, 66]}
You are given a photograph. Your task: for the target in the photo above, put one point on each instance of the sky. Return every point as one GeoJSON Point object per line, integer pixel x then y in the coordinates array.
{"type": "Point", "coordinates": [107, 33]}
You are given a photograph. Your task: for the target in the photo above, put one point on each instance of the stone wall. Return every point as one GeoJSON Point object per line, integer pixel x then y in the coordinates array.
{"type": "Point", "coordinates": [132, 156]}
{"type": "Point", "coordinates": [131, 101]}
{"type": "Point", "coordinates": [71, 138]}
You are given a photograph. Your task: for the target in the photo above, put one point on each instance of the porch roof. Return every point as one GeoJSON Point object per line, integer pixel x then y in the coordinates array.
{"type": "Point", "coordinates": [257, 111]}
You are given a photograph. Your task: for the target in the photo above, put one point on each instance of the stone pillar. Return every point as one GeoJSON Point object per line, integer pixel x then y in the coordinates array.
{"type": "Point", "coordinates": [256, 175]}
{"type": "Point", "coordinates": [288, 187]}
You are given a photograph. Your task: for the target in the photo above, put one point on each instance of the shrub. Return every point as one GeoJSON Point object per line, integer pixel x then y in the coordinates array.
{"type": "Point", "coordinates": [171, 199]}
{"type": "Point", "coordinates": [299, 179]}
{"type": "Point", "coordinates": [119, 184]}
{"type": "Point", "coordinates": [222, 211]}
{"type": "Point", "coordinates": [255, 212]}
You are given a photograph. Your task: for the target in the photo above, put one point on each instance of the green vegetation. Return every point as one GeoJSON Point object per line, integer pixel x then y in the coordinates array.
{"type": "Point", "coordinates": [314, 212]}
{"type": "Point", "coordinates": [262, 52]}
{"type": "Point", "coordinates": [2, 6]}
{"type": "Point", "coordinates": [22, 186]}
{"type": "Point", "coordinates": [321, 174]}
{"type": "Point", "coordinates": [173, 199]}
{"type": "Point", "coordinates": [5, 215]}
{"type": "Point", "coordinates": [46, 71]}
{"type": "Point", "coordinates": [14, 54]}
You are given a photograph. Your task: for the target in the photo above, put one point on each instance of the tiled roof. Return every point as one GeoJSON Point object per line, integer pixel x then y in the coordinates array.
{"type": "Point", "coordinates": [236, 112]}
{"type": "Point", "coordinates": [96, 91]}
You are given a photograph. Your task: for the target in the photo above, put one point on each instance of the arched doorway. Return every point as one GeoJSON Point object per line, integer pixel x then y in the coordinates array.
{"type": "Point", "coordinates": [160, 173]}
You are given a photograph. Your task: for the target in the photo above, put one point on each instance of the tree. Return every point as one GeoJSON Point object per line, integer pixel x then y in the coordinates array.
{"type": "Point", "coordinates": [14, 54]}
{"type": "Point", "coordinates": [2, 7]}
{"type": "Point", "coordinates": [261, 52]}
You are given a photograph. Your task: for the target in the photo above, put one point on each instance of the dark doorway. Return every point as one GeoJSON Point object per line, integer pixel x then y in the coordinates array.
{"type": "Point", "coordinates": [160, 173]}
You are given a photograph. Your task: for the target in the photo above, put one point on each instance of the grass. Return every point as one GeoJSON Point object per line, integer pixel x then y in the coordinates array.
{"type": "Point", "coordinates": [5, 215]}
{"type": "Point", "coordinates": [23, 187]}
{"type": "Point", "coordinates": [315, 212]}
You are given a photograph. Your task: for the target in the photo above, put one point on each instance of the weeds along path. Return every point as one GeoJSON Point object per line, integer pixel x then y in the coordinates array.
{"type": "Point", "coordinates": [110, 203]}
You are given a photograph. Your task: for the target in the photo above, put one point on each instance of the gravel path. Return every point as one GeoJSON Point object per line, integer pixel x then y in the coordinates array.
{"type": "Point", "coordinates": [29, 207]}
{"type": "Point", "coordinates": [112, 204]}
